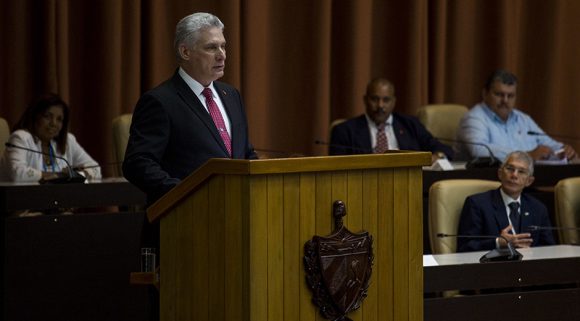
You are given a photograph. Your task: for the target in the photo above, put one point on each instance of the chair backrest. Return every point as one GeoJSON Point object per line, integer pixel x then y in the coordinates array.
{"type": "Point", "coordinates": [4, 134]}
{"type": "Point", "coordinates": [446, 198]}
{"type": "Point", "coordinates": [442, 120]}
{"type": "Point", "coordinates": [121, 126]}
{"type": "Point", "coordinates": [567, 198]}
{"type": "Point", "coordinates": [335, 122]}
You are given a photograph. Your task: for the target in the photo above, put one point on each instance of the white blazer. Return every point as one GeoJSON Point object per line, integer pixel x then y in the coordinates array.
{"type": "Point", "coordinates": [17, 165]}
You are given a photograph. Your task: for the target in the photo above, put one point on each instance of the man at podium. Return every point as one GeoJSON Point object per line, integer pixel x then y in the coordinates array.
{"type": "Point", "coordinates": [186, 120]}
{"type": "Point", "coordinates": [189, 118]}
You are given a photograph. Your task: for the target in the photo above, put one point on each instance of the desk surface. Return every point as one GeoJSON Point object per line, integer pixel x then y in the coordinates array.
{"type": "Point", "coordinates": [536, 253]}
{"type": "Point", "coordinates": [96, 193]}
{"type": "Point", "coordinates": [545, 175]}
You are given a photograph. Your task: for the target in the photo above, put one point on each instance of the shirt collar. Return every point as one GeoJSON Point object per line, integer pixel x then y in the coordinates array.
{"type": "Point", "coordinates": [194, 85]}
{"type": "Point", "coordinates": [512, 116]}
{"type": "Point", "coordinates": [388, 122]}
{"type": "Point", "coordinates": [508, 199]}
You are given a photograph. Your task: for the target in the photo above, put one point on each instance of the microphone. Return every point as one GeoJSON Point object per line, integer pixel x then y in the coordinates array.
{"type": "Point", "coordinates": [362, 150]}
{"type": "Point", "coordinates": [556, 228]}
{"type": "Point", "coordinates": [533, 133]}
{"type": "Point", "coordinates": [72, 177]}
{"type": "Point", "coordinates": [532, 228]}
{"type": "Point", "coordinates": [495, 255]}
{"type": "Point", "coordinates": [477, 162]}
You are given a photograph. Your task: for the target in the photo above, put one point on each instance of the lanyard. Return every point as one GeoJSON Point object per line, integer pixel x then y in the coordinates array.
{"type": "Point", "coordinates": [51, 158]}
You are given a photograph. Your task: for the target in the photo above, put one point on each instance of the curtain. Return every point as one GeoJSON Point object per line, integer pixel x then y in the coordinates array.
{"type": "Point", "coordinates": [298, 64]}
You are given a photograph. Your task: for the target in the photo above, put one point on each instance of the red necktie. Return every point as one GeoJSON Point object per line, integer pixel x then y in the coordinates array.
{"type": "Point", "coordinates": [382, 143]}
{"type": "Point", "coordinates": [217, 118]}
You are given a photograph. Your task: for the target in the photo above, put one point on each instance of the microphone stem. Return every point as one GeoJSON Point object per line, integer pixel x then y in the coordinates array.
{"type": "Point", "coordinates": [509, 245]}
{"type": "Point", "coordinates": [491, 155]}
{"type": "Point", "coordinates": [70, 170]}
{"type": "Point", "coordinates": [538, 228]}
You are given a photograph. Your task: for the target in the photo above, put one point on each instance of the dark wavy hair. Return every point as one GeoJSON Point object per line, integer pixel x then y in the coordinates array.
{"type": "Point", "coordinates": [36, 109]}
{"type": "Point", "coordinates": [503, 76]}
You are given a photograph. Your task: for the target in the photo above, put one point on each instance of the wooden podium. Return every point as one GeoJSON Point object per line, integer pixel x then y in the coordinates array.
{"type": "Point", "coordinates": [233, 233]}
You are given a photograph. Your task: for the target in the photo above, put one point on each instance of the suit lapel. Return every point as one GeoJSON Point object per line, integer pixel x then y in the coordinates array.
{"type": "Point", "coordinates": [403, 138]}
{"type": "Point", "coordinates": [193, 102]}
{"type": "Point", "coordinates": [399, 133]}
{"type": "Point", "coordinates": [363, 136]}
{"type": "Point", "coordinates": [228, 102]}
{"type": "Point", "coordinates": [499, 210]}
{"type": "Point", "coordinates": [525, 218]}
{"type": "Point", "coordinates": [225, 97]}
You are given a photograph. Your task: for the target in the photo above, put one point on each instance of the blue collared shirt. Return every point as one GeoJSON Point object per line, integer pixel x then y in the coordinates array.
{"type": "Point", "coordinates": [483, 126]}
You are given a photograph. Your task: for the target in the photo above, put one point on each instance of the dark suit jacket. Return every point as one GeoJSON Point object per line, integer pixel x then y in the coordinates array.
{"type": "Point", "coordinates": [353, 137]}
{"type": "Point", "coordinates": [485, 214]}
{"type": "Point", "coordinates": [172, 134]}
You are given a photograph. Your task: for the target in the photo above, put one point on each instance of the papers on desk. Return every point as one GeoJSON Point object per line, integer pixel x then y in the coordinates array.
{"type": "Point", "coordinates": [429, 260]}
{"type": "Point", "coordinates": [446, 166]}
{"type": "Point", "coordinates": [442, 164]}
{"type": "Point", "coordinates": [556, 158]}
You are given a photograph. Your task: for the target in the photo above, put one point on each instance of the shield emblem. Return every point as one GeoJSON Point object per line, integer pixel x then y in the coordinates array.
{"type": "Point", "coordinates": [338, 268]}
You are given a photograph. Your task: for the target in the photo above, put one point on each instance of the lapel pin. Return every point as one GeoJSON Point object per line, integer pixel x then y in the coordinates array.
{"type": "Point", "coordinates": [526, 213]}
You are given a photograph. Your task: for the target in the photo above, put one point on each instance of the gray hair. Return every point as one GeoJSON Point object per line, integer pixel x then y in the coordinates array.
{"type": "Point", "coordinates": [522, 156]}
{"type": "Point", "coordinates": [188, 28]}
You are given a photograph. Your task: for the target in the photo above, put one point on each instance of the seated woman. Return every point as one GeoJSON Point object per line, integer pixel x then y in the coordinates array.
{"type": "Point", "coordinates": [44, 128]}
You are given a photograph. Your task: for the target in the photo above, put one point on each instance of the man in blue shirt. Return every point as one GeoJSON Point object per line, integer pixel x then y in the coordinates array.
{"type": "Point", "coordinates": [496, 123]}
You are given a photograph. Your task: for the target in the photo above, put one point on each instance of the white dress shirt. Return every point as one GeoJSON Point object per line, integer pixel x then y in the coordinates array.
{"type": "Point", "coordinates": [389, 131]}
{"type": "Point", "coordinates": [197, 88]}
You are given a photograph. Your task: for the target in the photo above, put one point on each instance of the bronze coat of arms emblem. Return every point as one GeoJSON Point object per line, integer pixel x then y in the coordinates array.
{"type": "Point", "coordinates": [338, 268]}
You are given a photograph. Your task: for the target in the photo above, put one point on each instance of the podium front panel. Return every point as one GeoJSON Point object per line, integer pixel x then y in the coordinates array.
{"type": "Point", "coordinates": [233, 249]}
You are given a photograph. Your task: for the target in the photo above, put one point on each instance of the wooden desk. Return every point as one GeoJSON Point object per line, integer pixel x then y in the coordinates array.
{"type": "Point", "coordinates": [544, 286]}
{"type": "Point", "coordinates": [72, 267]}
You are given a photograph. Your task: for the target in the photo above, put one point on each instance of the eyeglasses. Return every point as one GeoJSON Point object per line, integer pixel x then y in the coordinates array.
{"type": "Point", "coordinates": [512, 169]}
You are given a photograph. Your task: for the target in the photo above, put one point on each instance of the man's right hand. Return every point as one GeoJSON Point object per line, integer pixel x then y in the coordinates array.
{"type": "Point", "coordinates": [517, 240]}
{"type": "Point", "coordinates": [540, 152]}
